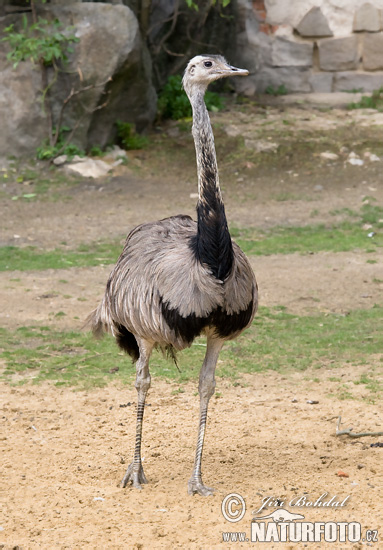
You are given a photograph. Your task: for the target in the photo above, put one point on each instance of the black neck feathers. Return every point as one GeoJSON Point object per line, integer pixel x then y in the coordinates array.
{"type": "Point", "coordinates": [212, 244]}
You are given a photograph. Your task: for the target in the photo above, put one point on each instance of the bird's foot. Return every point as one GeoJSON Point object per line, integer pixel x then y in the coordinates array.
{"type": "Point", "coordinates": [134, 475]}
{"type": "Point", "coordinates": [195, 486]}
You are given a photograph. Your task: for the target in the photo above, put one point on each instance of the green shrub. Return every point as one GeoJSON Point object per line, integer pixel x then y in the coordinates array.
{"type": "Point", "coordinates": [173, 102]}
{"type": "Point", "coordinates": [374, 101]}
{"type": "Point", "coordinates": [281, 90]}
{"type": "Point", "coordinates": [46, 151]}
{"type": "Point", "coordinates": [128, 138]}
{"type": "Point", "coordinates": [39, 41]}
{"type": "Point", "coordinates": [96, 151]}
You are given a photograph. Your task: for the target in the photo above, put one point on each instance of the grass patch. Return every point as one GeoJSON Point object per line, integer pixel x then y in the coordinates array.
{"type": "Point", "coordinates": [374, 101]}
{"type": "Point", "coordinates": [276, 341]}
{"type": "Point", "coordinates": [311, 238]}
{"type": "Point", "coordinates": [31, 258]}
{"type": "Point", "coordinates": [343, 237]}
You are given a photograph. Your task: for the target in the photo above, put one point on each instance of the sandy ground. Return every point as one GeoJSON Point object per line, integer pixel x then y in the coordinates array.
{"type": "Point", "coordinates": [63, 452]}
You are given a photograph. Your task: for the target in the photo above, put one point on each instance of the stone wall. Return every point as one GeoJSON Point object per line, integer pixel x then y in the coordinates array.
{"type": "Point", "coordinates": [311, 45]}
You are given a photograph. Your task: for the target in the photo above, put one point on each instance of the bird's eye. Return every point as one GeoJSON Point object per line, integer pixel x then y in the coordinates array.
{"type": "Point", "coordinates": [208, 63]}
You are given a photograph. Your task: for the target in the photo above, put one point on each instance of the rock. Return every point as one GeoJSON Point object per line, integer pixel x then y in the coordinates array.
{"type": "Point", "coordinates": [77, 158]}
{"type": "Point", "coordinates": [329, 156]}
{"type": "Point", "coordinates": [338, 54]}
{"type": "Point", "coordinates": [314, 23]}
{"type": "Point", "coordinates": [261, 146]}
{"type": "Point", "coordinates": [110, 46]}
{"type": "Point", "coordinates": [285, 53]}
{"type": "Point", "coordinates": [373, 158]}
{"type": "Point", "coordinates": [321, 82]}
{"type": "Point", "coordinates": [89, 168]}
{"type": "Point", "coordinates": [367, 18]}
{"type": "Point", "coordinates": [58, 161]}
{"type": "Point", "coordinates": [357, 80]}
{"type": "Point", "coordinates": [354, 159]}
{"type": "Point", "coordinates": [373, 52]}
{"type": "Point", "coordinates": [23, 126]}
{"type": "Point", "coordinates": [116, 153]}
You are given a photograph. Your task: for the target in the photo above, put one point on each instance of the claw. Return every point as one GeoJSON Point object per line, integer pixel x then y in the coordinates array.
{"type": "Point", "coordinates": [195, 486]}
{"type": "Point", "coordinates": [136, 477]}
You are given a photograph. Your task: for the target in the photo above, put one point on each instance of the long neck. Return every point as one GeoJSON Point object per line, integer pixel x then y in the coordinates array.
{"type": "Point", "coordinates": [213, 242]}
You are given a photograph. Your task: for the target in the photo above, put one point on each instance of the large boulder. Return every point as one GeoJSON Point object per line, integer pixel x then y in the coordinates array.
{"type": "Point", "coordinates": [109, 47]}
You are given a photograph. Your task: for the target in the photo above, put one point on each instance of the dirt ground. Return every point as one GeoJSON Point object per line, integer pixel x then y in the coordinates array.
{"type": "Point", "coordinates": [63, 452]}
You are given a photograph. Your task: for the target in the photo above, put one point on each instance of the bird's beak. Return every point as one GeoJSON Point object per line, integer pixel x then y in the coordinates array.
{"type": "Point", "coordinates": [234, 71]}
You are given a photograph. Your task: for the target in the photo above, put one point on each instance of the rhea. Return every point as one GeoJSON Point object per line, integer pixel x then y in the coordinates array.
{"type": "Point", "coordinates": [177, 279]}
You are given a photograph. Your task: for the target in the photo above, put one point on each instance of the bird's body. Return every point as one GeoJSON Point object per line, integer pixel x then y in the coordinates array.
{"type": "Point", "coordinates": [177, 278]}
{"type": "Point", "coordinates": [178, 298]}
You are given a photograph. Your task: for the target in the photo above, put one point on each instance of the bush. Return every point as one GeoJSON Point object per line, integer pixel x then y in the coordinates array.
{"type": "Point", "coordinates": [173, 102]}
{"type": "Point", "coordinates": [281, 90]}
{"type": "Point", "coordinates": [128, 138]}
{"type": "Point", "coordinates": [374, 101]}
{"type": "Point", "coordinates": [46, 151]}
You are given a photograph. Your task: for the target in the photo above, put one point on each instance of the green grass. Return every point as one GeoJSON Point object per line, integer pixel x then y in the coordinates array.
{"type": "Point", "coordinates": [277, 341]}
{"type": "Point", "coordinates": [31, 258]}
{"type": "Point", "coordinates": [374, 101]}
{"type": "Point", "coordinates": [311, 238]}
{"type": "Point", "coordinates": [343, 237]}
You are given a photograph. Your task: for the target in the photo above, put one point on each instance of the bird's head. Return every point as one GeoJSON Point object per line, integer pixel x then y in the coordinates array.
{"type": "Point", "coordinates": [203, 69]}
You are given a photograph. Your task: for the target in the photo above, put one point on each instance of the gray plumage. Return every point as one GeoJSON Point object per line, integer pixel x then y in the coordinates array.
{"type": "Point", "coordinates": [177, 278]}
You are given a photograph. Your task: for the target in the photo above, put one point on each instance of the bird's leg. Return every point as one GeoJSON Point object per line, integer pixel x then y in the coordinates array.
{"type": "Point", "coordinates": [206, 389]}
{"type": "Point", "coordinates": [135, 471]}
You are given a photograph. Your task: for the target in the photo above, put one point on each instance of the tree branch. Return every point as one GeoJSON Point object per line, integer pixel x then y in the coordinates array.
{"type": "Point", "coordinates": [348, 431]}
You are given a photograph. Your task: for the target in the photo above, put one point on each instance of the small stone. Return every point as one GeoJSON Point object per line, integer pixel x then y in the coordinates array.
{"type": "Point", "coordinates": [261, 146]}
{"type": "Point", "coordinates": [314, 23]}
{"type": "Point", "coordinates": [116, 153]}
{"type": "Point", "coordinates": [61, 159]}
{"type": "Point", "coordinates": [373, 51]}
{"type": "Point", "coordinates": [77, 158]}
{"type": "Point", "coordinates": [340, 473]}
{"type": "Point", "coordinates": [285, 53]}
{"type": "Point", "coordinates": [318, 187]}
{"type": "Point", "coordinates": [355, 162]}
{"type": "Point", "coordinates": [374, 158]}
{"type": "Point", "coordinates": [89, 168]}
{"type": "Point", "coordinates": [367, 18]}
{"type": "Point", "coordinates": [329, 156]}
{"type": "Point", "coordinates": [338, 54]}
{"type": "Point", "coordinates": [358, 80]}
{"type": "Point", "coordinates": [322, 82]}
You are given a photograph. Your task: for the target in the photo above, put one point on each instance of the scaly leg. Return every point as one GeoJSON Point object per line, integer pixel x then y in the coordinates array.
{"type": "Point", "coordinates": [206, 389]}
{"type": "Point", "coordinates": [135, 471]}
